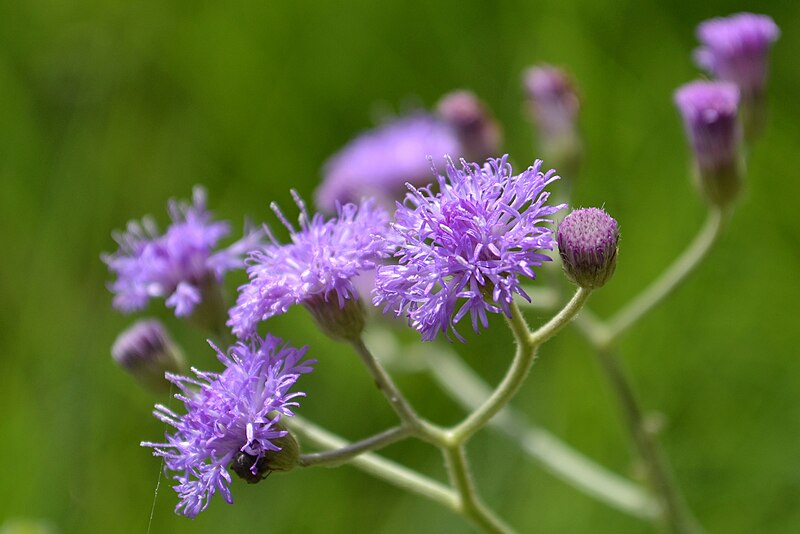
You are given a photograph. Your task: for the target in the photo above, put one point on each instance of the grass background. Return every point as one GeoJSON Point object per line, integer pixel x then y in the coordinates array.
{"type": "Point", "coordinates": [108, 108]}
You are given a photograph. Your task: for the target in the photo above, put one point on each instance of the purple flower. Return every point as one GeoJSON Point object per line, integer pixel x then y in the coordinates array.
{"type": "Point", "coordinates": [735, 48]}
{"type": "Point", "coordinates": [178, 264]}
{"type": "Point", "coordinates": [316, 269]}
{"type": "Point", "coordinates": [468, 244]}
{"type": "Point", "coordinates": [587, 243]}
{"type": "Point", "coordinates": [379, 162]}
{"type": "Point", "coordinates": [476, 128]}
{"type": "Point", "coordinates": [232, 419]}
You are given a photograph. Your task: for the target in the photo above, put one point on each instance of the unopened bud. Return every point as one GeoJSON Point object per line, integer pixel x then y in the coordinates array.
{"type": "Point", "coordinates": [476, 128]}
{"type": "Point", "coordinates": [587, 243]}
{"type": "Point", "coordinates": [709, 111]}
{"type": "Point", "coordinates": [146, 351]}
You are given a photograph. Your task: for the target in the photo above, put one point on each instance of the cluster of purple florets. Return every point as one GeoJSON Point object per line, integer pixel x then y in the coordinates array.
{"type": "Point", "coordinates": [462, 245]}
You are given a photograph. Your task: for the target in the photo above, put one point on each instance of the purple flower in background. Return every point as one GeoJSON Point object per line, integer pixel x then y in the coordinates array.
{"type": "Point", "coordinates": [146, 351]}
{"type": "Point", "coordinates": [175, 265]}
{"type": "Point", "coordinates": [468, 244]}
{"type": "Point", "coordinates": [553, 102]}
{"type": "Point", "coordinates": [476, 128]}
{"type": "Point", "coordinates": [316, 268]}
{"type": "Point", "coordinates": [709, 111]}
{"type": "Point", "coordinates": [735, 49]}
{"type": "Point", "coordinates": [231, 420]}
{"type": "Point", "coordinates": [379, 162]}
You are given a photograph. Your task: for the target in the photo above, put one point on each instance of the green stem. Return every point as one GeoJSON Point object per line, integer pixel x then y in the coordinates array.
{"type": "Point", "coordinates": [668, 281]}
{"type": "Point", "coordinates": [469, 502]}
{"type": "Point", "coordinates": [675, 513]}
{"type": "Point", "coordinates": [466, 387]}
{"type": "Point", "coordinates": [336, 457]}
{"type": "Point", "coordinates": [373, 464]}
{"type": "Point", "coordinates": [527, 345]}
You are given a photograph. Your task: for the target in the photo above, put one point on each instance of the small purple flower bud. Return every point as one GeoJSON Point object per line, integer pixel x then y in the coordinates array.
{"type": "Point", "coordinates": [735, 49]}
{"type": "Point", "coordinates": [709, 111]}
{"type": "Point", "coordinates": [587, 243]}
{"type": "Point", "coordinates": [476, 128]}
{"type": "Point", "coordinates": [553, 107]}
{"type": "Point", "coordinates": [146, 351]}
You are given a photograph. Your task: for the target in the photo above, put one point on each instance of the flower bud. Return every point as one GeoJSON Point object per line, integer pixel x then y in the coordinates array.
{"type": "Point", "coordinates": [553, 107]}
{"type": "Point", "coordinates": [345, 323]}
{"type": "Point", "coordinates": [587, 243]}
{"type": "Point", "coordinates": [476, 128]}
{"type": "Point", "coordinates": [146, 351]}
{"type": "Point", "coordinates": [735, 49]}
{"type": "Point", "coordinates": [709, 111]}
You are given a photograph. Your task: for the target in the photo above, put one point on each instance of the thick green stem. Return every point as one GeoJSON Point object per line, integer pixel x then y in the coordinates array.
{"type": "Point", "coordinates": [675, 514]}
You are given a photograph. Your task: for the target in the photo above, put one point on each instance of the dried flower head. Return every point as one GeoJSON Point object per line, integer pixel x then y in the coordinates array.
{"type": "Point", "coordinates": [316, 269]}
{"type": "Point", "coordinates": [177, 265]}
{"type": "Point", "coordinates": [146, 351]}
{"type": "Point", "coordinates": [587, 243]}
{"type": "Point", "coordinates": [379, 162]}
{"type": "Point", "coordinates": [476, 128]}
{"type": "Point", "coordinates": [463, 249]}
{"type": "Point", "coordinates": [232, 420]}
{"type": "Point", "coordinates": [709, 111]}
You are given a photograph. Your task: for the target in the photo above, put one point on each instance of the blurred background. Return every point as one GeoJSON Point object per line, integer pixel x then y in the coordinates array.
{"type": "Point", "coordinates": [109, 108]}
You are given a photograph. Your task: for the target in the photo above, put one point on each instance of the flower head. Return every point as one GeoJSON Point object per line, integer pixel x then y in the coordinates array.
{"type": "Point", "coordinates": [709, 111]}
{"type": "Point", "coordinates": [316, 269]}
{"type": "Point", "coordinates": [232, 419]}
{"type": "Point", "coordinates": [462, 250]}
{"type": "Point", "coordinates": [735, 48]}
{"type": "Point", "coordinates": [552, 99]}
{"type": "Point", "coordinates": [587, 243]}
{"type": "Point", "coordinates": [146, 351]}
{"type": "Point", "coordinates": [178, 264]}
{"type": "Point", "coordinates": [379, 162]}
{"type": "Point", "coordinates": [476, 128]}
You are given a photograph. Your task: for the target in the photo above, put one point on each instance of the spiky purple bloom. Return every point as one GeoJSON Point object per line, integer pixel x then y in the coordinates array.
{"type": "Point", "coordinates": [477, 130]}
{"type": "Point", "coordinates": [735, 49]}
{"type": "Point", "coordinates": [316, 269]}
{"type": "Point", "coordinates": [178, 264]}
{"type": "Point", "coordinates": [229, 415]}
{"type": "Point", "coordinates": [587, 243]}
{"type": "Point", "coordinates": [709, 111]}
{"type": "Point", "coordinates": [464, 248]}
{"type": "Point", "coordinates": [379, 162]}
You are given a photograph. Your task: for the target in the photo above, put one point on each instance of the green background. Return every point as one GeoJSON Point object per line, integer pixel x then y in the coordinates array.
{"type": "Point", "coordinates": [107, 109]}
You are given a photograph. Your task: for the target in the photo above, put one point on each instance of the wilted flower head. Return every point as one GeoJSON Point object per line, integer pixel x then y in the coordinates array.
{"type": "Point", "coordinates": [473, 123]}
{"type": "Point", "coordinates": [231, 420]}
{"type": "Point", "coordinates": [316, 269]}
{"type": "Point", "coordinates": [146, 351]}
{"type": "Point", "coordinates": [178, 264]}
{"type": "Point", "coordinates": [587, 243]}
{"type": "Point", "coordinates": [735, 49]}
{"type": "Point", "coordinates": [463, 249]}
{"type": "Point", "coordinates": [709, 111]}
{"type": "Point", "coordinates": [379, 162]}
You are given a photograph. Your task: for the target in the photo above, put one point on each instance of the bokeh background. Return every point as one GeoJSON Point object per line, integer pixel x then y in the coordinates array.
{"type": "Point", "coordinates": [109, 108]}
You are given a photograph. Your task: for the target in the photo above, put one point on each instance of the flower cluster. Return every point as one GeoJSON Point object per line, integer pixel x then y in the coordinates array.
{"type": "Point", "coordinates": [379, 162]}
{"type": "Point", "coordinates": [178, 264]}
{"type": "Point", "coordinates": [318, 266]}
{"type": "Point", "coordinates": [232, 419]}
{"type": "Point", "coordinates": [468, 243]}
